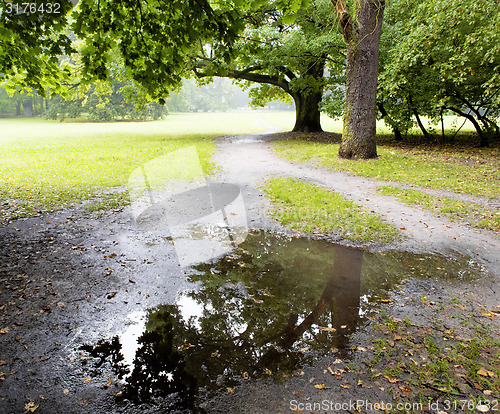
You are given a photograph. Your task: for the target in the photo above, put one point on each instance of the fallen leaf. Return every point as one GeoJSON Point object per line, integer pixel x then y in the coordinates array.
{"type": "Point", "coordinates": [477, 386]}
{"type": "Point", "coordinates": [31, 406]}
{"type": "Point", "coordinates": [343, 326]}
{"type": "Point", "coordinates": [360, 383]}
{"type": "Point", "coordinates": [245, 375]}
{"type": "Point", "coordinates": [108, 383]}
{"type": "Point", "coordinates": [327, 329]}
{"type": "Point", "coordinates": [112, 295]}
{"type": "Point", "coordinates": [487, 392]}
{"type": "Point", "coordinates": [111, 255]}
{"type": "Point", "coordinates": [321, 387]}
{"type": "Point", "coordinates": [230, 390]}
{"type": "Point", "coordinates": [337, 361]}
{"type": "Point", "coordinates": [486, 373]}
{"type": "Point", "coordinates": [482, 408]}
{"type": "Point", "coordinates": [398, 338]}
{"type": "Point", "coordinates": [65, 391]}
{"type": "Point", "coordinates": [2, 363]}
{"type": "Point", "coordinates": [4, 330]}
{"type": "Point", "coordinates": [391, 380]}
{"type": "Point", "coordinates": [345, 386]}
{"type": "Point", "coordinates": [61, 305]}
{"type": "Point", "coordinates": [385, 300]}
{"type": "Point", "coordinates": [268, 371]}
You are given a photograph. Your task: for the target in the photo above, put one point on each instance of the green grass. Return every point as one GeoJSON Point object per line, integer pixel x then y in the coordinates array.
{"type": "Point", "coordinates": [310, 208]}
{"type": "Point", "coordinates": [474, 214]}
{"type": "Point", "coordinates": [477, 174]}
{"type": "Point", "coordinates": [46, 165]}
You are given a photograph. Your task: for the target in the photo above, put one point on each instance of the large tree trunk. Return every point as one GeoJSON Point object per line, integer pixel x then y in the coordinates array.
{"type": "Point", "coordinates": [362, 37]}
{"type": "Point", "coordinates": [307, 114]}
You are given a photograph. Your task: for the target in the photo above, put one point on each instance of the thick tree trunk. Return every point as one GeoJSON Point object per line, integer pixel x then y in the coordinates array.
{"type": "Point", "coordinates": [362, 38]}
{"type": "Point", "coordinates": [28, 108]}
{"type": "Point", "coordinates": [307, 114]}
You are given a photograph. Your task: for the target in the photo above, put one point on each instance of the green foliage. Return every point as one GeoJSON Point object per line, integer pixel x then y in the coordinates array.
{"type": "Point", "coordinates": [438, 56]}
{"type": "Point", "coordinates": [105, 104]}
{"type": "Point", "coordinates": [284, 52]}
{"type": "Point", "coordinates": [31, 42]}
{"type": "Point", "coordinates": [217, 96]}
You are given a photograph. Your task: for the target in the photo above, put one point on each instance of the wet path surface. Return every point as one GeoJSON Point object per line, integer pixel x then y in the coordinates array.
{"type": "Point", "coordinates": [97, 315]}
{"type": "Point", "coordinates": [249, 163]}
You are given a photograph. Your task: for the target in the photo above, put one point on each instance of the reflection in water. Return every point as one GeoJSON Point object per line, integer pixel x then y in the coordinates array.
{"type": "Point", "coordinates": [272, 305]}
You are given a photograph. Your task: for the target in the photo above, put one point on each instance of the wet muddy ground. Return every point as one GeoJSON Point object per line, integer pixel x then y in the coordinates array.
{"type": "Point", "coordinates": [98, 316]}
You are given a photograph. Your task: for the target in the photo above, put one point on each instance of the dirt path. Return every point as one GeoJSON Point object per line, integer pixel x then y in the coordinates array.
{"type": "Point", "coordinates": [248, 160]}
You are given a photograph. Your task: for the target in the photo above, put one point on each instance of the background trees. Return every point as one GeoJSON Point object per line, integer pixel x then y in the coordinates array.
{"type": "Point", "coordinates": [291, 55]}
{"type": "Point", "coordinates": [440, 56]}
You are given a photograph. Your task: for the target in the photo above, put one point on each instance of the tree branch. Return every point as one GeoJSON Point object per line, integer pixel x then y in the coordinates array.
{"type": "Point", "coordinates": [345, 19]}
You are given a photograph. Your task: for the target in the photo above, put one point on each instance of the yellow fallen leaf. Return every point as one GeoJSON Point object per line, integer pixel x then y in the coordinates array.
{"type": "Point", "coordinates": [385, 300]}
{"type": "Point", "coordinates": [108, 383]}
{"type": "Point", "coordinates": [345, 386]}
{"type": "Point", "coordinates": [485, 373]}
{"type": "Point", "coordinates": [245, 375]}
{"type": "Point", "coordinates": [321, 387]}
{"type": "Point", "coordinates": [230, 390]}
{"type": "Point", "coordinates": [343, 326]}
{"type": "Point", "coordinates": [2, 363]}
{"type": "Point", "coordinates": [4, 330]}
{"type": "Point", "coordinates": [66, 391]}
{"type": "Point", "coordinates": [327, 329]}
{"type": "Point", "coordinates": [391, 380]}
{"type": "Point", "coordinates": [268, 371]}
{"type": "Point", "coordinates": [31, 406]}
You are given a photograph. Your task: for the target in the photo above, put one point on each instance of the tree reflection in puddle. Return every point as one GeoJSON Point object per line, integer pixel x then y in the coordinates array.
{"type": "Point", "coordinates": [272, 305]}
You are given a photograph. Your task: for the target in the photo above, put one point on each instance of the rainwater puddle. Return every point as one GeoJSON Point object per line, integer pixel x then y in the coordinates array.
{"type": "Point", "coordinates": [272, 305]}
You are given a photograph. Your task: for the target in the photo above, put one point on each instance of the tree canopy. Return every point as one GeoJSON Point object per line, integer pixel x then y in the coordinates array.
{"type": "Point", "coordinates": [440, 56]}
{"type": "Point", "coordinates": [32, 38]}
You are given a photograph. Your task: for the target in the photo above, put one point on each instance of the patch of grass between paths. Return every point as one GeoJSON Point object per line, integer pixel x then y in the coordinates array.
{"type": "Point", "coordinates": [473, 214]}
{"type": "Point", "coordinates": [310, 208]}
{"type": "Point", "coordinates": [476, 174]}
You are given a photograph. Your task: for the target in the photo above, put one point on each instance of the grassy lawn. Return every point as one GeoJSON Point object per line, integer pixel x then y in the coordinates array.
{"type": "Point", "coordinates": [311, 208]}
{"type": "Point", "coordinates": [46, 165]}
{"type": "Point", "coordinates": [473, 214]}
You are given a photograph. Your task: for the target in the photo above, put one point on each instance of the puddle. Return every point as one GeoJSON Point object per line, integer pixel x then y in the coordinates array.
{"type": "Point", "coordinates": [272, 305]}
